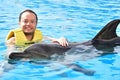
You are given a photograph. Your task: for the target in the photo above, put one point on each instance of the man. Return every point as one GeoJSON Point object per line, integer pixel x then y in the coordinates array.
{"type": "Point", "coordinates": [27, 33]}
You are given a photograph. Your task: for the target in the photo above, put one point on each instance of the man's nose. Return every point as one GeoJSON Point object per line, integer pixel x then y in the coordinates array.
{"type": "Point", "coordinates": [28, 23]}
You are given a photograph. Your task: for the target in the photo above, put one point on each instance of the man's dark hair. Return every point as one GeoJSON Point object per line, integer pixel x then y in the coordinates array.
{"type": "Point", "coordinates": [28, 10]}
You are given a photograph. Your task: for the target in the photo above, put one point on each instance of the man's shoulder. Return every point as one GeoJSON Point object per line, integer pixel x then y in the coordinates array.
{"type": "Point", "coordinates": [16, 30]}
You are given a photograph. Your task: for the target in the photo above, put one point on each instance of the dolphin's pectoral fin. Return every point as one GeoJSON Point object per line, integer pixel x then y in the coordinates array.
{"type": "Point", "coordinates": [109, 31]}
{"type": "Point", "coordinates": [78, 68]}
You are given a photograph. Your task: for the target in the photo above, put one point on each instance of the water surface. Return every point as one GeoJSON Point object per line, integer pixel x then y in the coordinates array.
{"type": "Point", "coordinates": [78, 21]}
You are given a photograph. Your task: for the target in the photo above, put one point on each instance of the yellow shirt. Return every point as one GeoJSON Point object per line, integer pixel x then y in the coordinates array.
{"type": "Point", "coordinates": [20, 38]}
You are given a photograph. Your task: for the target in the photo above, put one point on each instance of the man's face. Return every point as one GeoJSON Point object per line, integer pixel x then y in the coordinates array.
{"type": "Point", "coordinates": [28, 22]}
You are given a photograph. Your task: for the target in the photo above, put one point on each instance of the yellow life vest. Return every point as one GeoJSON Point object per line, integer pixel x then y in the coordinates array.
{"type": "Point", "coordinates": [20, 38]}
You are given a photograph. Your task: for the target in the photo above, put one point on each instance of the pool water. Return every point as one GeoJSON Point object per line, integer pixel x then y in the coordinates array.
{"type": "Point", "coordinates": [78, 21]}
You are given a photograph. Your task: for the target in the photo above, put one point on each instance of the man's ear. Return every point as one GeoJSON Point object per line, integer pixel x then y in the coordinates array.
{"type": "Point", "coordinates": [18, 23]}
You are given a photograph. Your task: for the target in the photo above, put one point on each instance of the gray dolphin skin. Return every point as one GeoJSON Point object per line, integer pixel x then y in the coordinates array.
{"type": "Point", "coordinates": [106, 39]}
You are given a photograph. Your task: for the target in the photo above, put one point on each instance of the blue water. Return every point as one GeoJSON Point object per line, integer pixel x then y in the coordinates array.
{"type": "Point", "coordinates": [78, 21]}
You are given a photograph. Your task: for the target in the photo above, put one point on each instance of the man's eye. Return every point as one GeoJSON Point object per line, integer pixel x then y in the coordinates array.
{"type": "Point", "coordinates": [32, 21]}
{"type": "Point", "coordinates": [25, 21]}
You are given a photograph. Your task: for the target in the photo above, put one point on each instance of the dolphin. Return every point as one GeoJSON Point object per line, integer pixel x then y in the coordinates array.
{"type": "Point", "coordinates": [105, 40]}
{"type": "Point", "coordinates": [106, 37]}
